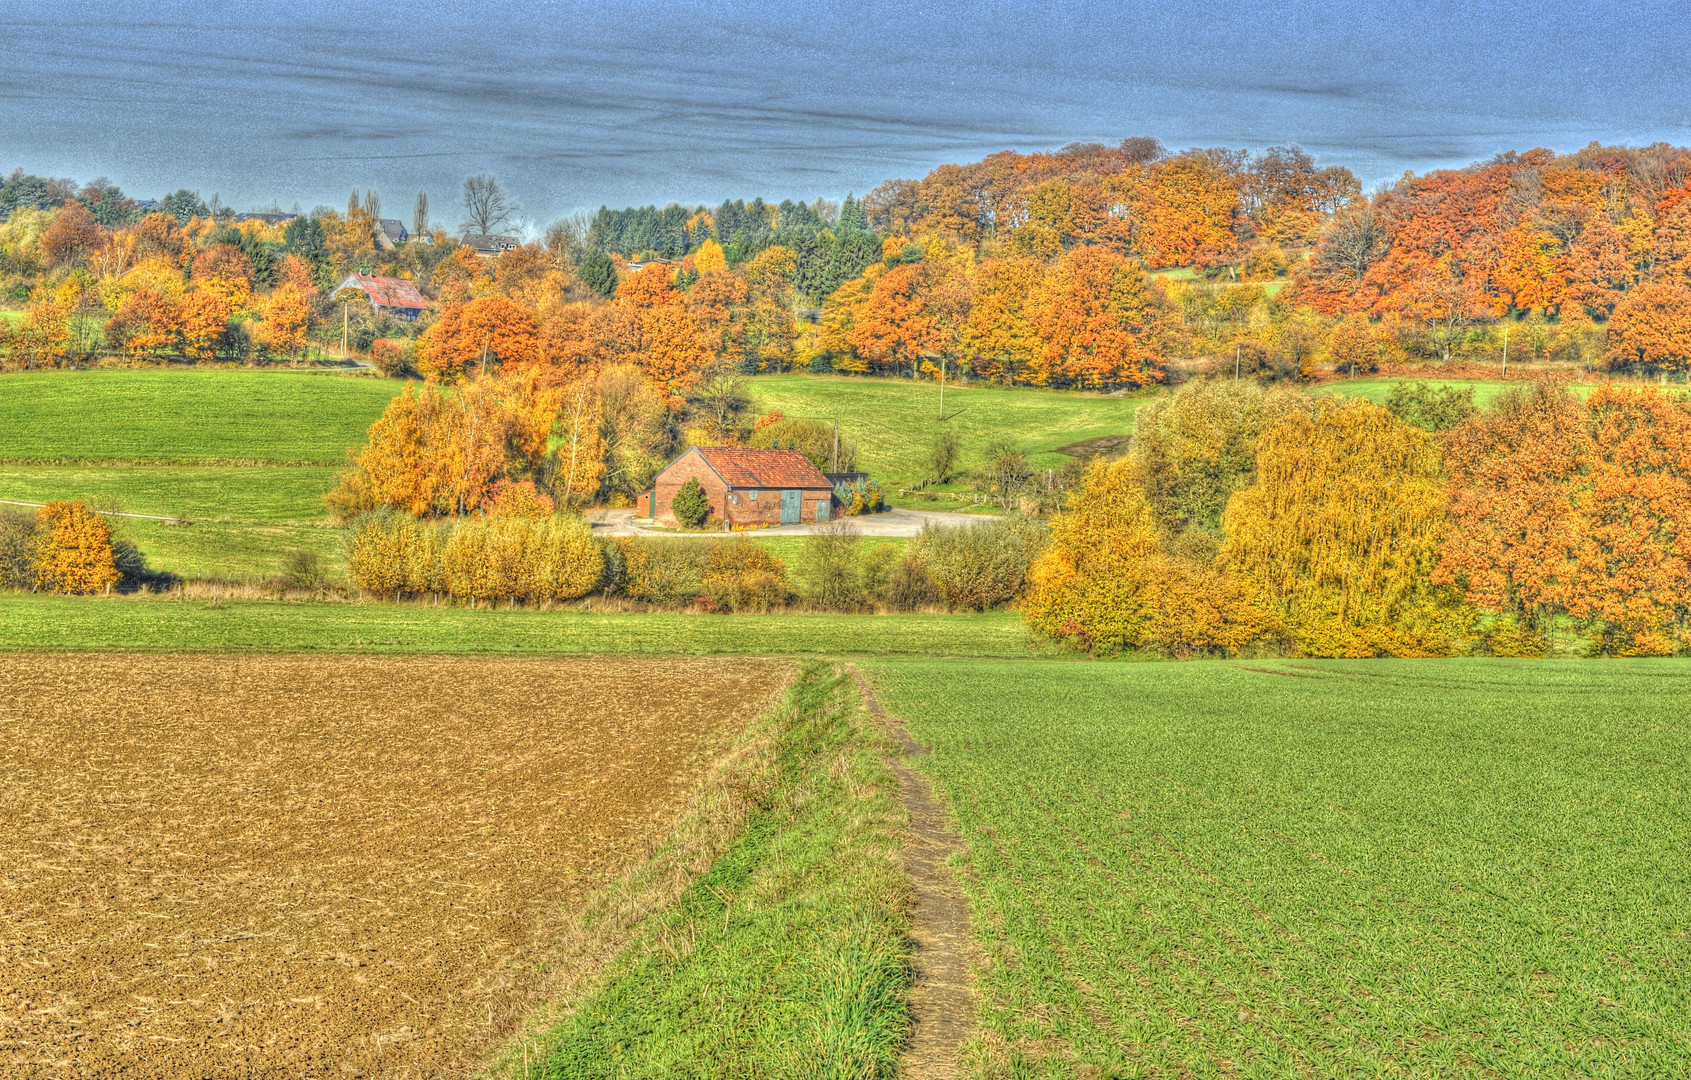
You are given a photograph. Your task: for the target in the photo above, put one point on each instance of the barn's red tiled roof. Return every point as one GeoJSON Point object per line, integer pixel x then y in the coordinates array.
{"type": "Point", "coordinates": [742, 467]}
{"type": "Point", "coordinates": [389, 291]}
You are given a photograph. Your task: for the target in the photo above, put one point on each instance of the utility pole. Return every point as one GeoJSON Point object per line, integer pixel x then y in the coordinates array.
{"type": "Point", "coordinates": [836, 444]}
{"type": "Point", "coordinates": [1505, 350]}
{"type": "Point", "coordinates": [942, 388]}
{"type": "Point", "coordinates": [1235, 361]}
{"type": "Point", "coordinates": [345, 321]}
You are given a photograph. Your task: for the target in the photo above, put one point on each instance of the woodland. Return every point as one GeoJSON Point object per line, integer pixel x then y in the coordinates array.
{"type": "Point", "coordinates": [1249, 514]}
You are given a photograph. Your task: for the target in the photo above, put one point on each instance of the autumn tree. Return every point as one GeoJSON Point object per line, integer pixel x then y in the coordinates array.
{"type": "Point", "coordinates": [74, 551]}
{"type": "Point", "coordinates": [1098, 321]}
{"type": "Point", "coordinates": [1341, 532]}
{"type": "Point", "coordinates": [72, 237]}
{"type": "Point", "coordinates": [484, 334]}
{"type": "Point", "coordinates": [286, 315]}
{"type": "Point", "coordinates": [1651, 328]}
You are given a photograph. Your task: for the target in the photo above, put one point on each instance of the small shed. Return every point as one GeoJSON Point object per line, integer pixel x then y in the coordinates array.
{"type": "Point", "coordinates": [745, 486]}
{"type": "Point", "coordinates": [389, 295]}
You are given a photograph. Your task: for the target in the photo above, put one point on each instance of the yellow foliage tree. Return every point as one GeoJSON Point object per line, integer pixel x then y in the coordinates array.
{"type": "Point", "coordinates": [1341, 532]}
{"type": "Point", "coordinates": [74, 551]}
{"type": "Point", "coordinates": [1106, 582]}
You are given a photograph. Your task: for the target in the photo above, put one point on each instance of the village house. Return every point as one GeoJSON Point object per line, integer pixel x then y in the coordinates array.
{"type": "Point", "coordinates": [490, 246]}
{"type": "Point", "coordinates": [390, 232]}
{"type": "Point", "coordinates": [745, 487]}
{"type": "Point", "coordinates": [388, 295]}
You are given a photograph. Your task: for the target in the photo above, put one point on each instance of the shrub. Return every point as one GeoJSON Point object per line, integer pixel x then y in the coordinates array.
{"type": "Point", "coordinates": [17, 549]}
{"type": "Point", "coordinates": [978, 567]}
{"type": "Point", "coordinates": [863, 497]}
{"type": "Point", "coordinates": [392, 358]}
{"type": "Point", "coordinates": [379, 552]}
{"type": "Point", "coordinates": [691, 505]}
{"type": "Point", "coordinates": [742, 576]}
{"type": "Point", "coordinates": [303, 570]}
{"type": "Point", "coordinates": [904, 584]}
{"type": "Point", "coordinates": [669, 573]}
{"type": "Point", "coordinates": [475, 559]}
{"type": "Point", "coordinates": [74, 552]}
{"type": "Point", "coordinates": [831, 571]}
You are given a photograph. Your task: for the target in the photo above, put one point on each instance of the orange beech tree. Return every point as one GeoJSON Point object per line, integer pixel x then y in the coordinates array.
{"type": "Point", "coordinates": [489, 331]}
{"type": "Point", "coordinates": [1559, 506]}
{"type": "Point", "coordinates": [1651, 328]}
{"type": "Point", "coordinates": [1096, 315]}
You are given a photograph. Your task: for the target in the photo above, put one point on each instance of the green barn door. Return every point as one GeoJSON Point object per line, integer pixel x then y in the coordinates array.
{"type": "Point", "coordinates": [789, 507]}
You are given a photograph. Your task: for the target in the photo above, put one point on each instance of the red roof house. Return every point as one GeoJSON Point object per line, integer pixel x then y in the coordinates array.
{"type": "Point", "coordinates": [394, 296]}
{"type": "Point", "coordinates": [745, 487]}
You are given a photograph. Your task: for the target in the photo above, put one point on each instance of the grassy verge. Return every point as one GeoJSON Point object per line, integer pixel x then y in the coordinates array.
{"type": "Point", "coordinates": [154, 624]}
{"type": "Point", "coordinates": [1466, 868]}
{"type": "Point", "coordinates": [766, 938]}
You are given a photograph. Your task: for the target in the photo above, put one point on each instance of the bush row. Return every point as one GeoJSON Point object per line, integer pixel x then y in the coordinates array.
{"type": "Point", "coordinates": [537, 560]}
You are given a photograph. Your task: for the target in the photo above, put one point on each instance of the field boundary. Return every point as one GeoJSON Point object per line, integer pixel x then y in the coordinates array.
{"type": "Point", "coordinates": [942, 999]}
{"type": "Point", "coordinates": [595, 940]}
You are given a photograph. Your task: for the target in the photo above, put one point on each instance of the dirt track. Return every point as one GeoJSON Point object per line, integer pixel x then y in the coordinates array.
{"type": "Point", "coordinates": [303, 866]}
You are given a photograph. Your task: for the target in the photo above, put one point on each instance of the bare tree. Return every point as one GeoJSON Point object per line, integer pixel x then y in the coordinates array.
{"type": "Point", "coordinates": [1353, 241]}
{"type": "Point", "coordinates": [566, 238]}
{"type": "Point", "coordinates": [373, 204]}
{"type": "Point", "coordinates": [420, 218]}
{"type": "Point", "coordinates": [487, 207]}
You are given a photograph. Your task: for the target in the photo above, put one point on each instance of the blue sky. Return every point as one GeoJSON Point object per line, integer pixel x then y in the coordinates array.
{"type": "Point", "coordinates": [576, 105]}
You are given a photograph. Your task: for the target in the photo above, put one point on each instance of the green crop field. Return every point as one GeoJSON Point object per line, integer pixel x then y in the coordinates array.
{"type": "Point", "coordinates": [894, 421]}
{"type": "Point", "coordinates": [1408, 868]}
{"type": "Point", "coordinates": [244, 456]}
{"type": "Point", "coordinates": [187, 417]}
{"type": "Point", "coordinates": [31, 622]}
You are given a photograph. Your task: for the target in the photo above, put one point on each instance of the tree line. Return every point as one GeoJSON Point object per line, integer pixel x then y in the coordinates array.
{"type": "Point", "coordinates": [1091, 267]}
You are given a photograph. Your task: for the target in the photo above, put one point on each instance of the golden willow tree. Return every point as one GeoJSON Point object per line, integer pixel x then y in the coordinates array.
{"type": "Point", "coordinates": [1341, 532]}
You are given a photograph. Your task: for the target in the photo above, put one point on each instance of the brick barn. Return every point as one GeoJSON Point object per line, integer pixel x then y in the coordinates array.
{"type": "Point", "coordinates": [745, 487]}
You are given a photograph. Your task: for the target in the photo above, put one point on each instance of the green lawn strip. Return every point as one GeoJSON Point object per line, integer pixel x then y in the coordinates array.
{"type": "Point", "coordinates": [247, 494]}
{"type": "Point", "coordinates": [894, 421]}
{"type": "Point", "coordinates": [241, 552]}
{"type": "Point", "coordinates": [787, 955]}
{"type": "Point", "coordinates": [191, 417]}
{"type": "Point", "coordinates": [1424, 868]}
{"type": "Point", "coordinates": [31, 622]}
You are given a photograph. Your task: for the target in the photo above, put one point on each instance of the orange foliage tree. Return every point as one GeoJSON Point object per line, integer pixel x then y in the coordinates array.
{"type": "Point", "coordinates": [1651, 328]}
{"type": "Point", "coordinates": [486, 333]}
{"type": "Point", "coordinates": [74, 551]}
{"type": "Point", "coordinates": [1097, 319]}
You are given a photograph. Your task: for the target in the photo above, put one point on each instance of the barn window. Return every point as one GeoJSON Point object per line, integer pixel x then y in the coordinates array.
{"type": "Point", "coordinates": [754, 495]}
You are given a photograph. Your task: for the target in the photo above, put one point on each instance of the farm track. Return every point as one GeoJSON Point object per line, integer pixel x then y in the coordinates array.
{"type": "Point", "coordinates": [942, 1001]}
{"type": "Point", "coordinates": [308, 866]}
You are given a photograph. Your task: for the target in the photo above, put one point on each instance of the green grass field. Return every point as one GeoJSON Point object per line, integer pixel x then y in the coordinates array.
{"type": "Point", "coordinates": [157, 624]}
{"type": "Point", "coordinates": [894, 421]}
{"type": "Point", "coordinates": [1406, 868]}
{"type": "Point", "coordinates": [245, 456]}
{"type": "Point", "coordinates": [192, 417]}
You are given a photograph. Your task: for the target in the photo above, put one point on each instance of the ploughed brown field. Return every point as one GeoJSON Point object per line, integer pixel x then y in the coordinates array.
{"type": "Point", "coordinates": [307, 866]}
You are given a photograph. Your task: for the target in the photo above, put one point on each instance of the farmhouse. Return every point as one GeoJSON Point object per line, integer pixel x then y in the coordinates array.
{"type": "Point", "coordinates": [745, 487]}
{"type": "Point", "coordinates": [482, 244]}
{"type": "Point", "coordinates": [389, 295]}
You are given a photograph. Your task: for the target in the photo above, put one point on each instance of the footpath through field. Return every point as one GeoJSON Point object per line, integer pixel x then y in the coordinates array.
{"type": "Point", "coordinates": [942, 1002]}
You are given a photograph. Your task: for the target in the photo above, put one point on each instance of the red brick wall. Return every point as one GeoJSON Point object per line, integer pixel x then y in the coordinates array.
{"type": "Point", "coordinates": [767, 509]}
{"type": "Point", "coordinates": [689, 467]}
